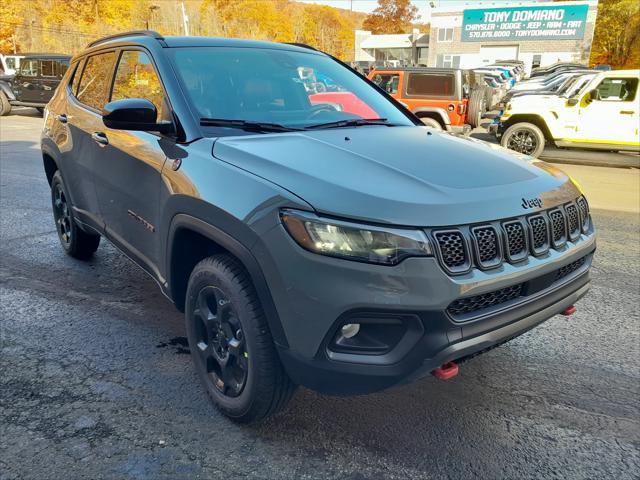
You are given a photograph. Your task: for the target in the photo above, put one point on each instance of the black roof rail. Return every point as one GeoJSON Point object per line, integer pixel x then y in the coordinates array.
{"type": "Point", "coordinates": [301, 45]}
{"type": "Point", "coordinates": [146, 33]}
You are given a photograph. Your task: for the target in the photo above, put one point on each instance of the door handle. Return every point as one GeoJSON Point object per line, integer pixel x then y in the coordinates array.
{"type": "Point", "coordinates": [100, 138]}
{"type": "Point", "coordinates": [627, 112]}
{"type": "Point", "coordinates": [62, 118]}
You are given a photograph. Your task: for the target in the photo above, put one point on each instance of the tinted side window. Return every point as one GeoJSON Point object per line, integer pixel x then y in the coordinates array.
{"type": "Point", "coordinates": [47, 68]}
{"type": "Point", "coordinates": [617, 89]}
{"type": "Point", "coordinates": [29, 68]}
{"type": "Point", "coordinates": [430, 84]}
{"type": "Point", "coordinates": [61, 67]}
{"type": "Point", "coordinates": [96, 79]}
{"type": "Point", "coordinates": [136, 78]}
{"type": "Point", "coordinates": [388, 82]}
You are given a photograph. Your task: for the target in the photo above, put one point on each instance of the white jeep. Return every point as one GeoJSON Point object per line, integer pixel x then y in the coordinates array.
{"type": "Point", "coordinates": [604, 114]}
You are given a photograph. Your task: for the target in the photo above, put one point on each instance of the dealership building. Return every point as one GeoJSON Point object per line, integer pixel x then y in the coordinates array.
{"type": "Point", "coordinates": [538, 33]}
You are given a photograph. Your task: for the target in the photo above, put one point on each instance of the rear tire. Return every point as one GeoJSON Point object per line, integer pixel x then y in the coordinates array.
{"type": "Point", "coordinates": [75, 241]}
{"type": "Point", "coordinates": [230, 342]}
{"type": "Point", "coordinates": [5, 106]}
{"type": "Point", "coordinates": [524, 137]}
{"type": "Point", "coordinates": [476, 108]}
{"type": "Point", "coordinates": [431, 122]}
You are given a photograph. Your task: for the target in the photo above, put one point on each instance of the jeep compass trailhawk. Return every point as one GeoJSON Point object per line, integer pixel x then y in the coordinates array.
{"type": "Point", "coordinates": [340, 245]}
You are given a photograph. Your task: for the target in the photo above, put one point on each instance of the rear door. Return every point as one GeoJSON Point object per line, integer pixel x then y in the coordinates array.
{"type": "Point", "coordinates": [48, 79]}
{"type": "Point", "coordinates": [129, 164]}
{"type": "Point", "coordinates": [25, 83]}
{"type": "Point", "coordinates": [612, 114]}
{"type": "Point", "coordinates": [86, 96]}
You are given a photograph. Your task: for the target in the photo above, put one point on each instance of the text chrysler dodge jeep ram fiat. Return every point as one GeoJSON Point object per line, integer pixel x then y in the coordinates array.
{"type": "Point", "coordinates": [307, 245]}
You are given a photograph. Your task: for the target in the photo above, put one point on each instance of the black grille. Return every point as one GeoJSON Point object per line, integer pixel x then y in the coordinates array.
{"type": "Point", "coordinates": [487, 242]}
{"type": "Point", "coordinates": [570, 268]}
{"type": "Point", "coordinates": [558, 227]}
{"type": "Point", "coordinates": [584, 213]}
{"type": "Point", "coordinates": [480, 302]}
{"type": "Point", "coordinates": [539, 233]}
{"type": "Point", "coordinates": [451, 244]}
{"type": "Point", "coordinates": [516, 239]}
{"type": "Point", "coordinates": [573, 219]}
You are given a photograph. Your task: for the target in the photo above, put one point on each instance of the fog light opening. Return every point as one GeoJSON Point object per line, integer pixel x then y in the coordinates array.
{"type": "Point", "coordinates": [350, 330]}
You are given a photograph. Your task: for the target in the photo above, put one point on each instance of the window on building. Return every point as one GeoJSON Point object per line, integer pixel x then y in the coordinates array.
{"type": "Point", "coordinates": [537, 61]}
{"type": "Point", "coordinates": [448, 61]}
{"type": "Point", "coordinates": [617, 90]}
{"type": "Point", "coordinates": [445, 34]}
{"type": "Point", "coordinates": [96, 78]}
{"type": "Point", "coordinates": [47, 68]}
{"type": "Point", "coordinates": [430, 84]}
{"type": "Point", "coordinates": [136, 78]}
{"type": "Point", "coordinates": [388, 82]}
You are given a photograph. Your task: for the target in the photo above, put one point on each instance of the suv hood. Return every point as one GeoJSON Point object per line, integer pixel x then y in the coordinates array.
{"type": "Point", "coordinates": [534, 101]}
{"type": "Point", "coordinates": [409, 176]}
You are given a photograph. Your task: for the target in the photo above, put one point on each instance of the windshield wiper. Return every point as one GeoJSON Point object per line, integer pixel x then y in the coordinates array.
{"type": "Point", "coordinates": [247, 125]}
{"type": "Point", "coordinates": [354, 122]}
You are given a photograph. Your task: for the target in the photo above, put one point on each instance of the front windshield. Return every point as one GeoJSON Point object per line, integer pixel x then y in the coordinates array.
{"type": "Point", "coordinates": [283, 87]}
{"type": "Point", "coordinates": [576, 87]}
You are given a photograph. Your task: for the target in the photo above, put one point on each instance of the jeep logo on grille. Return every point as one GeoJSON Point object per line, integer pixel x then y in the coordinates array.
{"type": "Point", "coordinates": [532, 202]}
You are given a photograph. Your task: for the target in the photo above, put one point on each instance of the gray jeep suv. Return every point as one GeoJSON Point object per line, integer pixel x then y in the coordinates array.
{"type": "Point", "coordinates": [319, 239]}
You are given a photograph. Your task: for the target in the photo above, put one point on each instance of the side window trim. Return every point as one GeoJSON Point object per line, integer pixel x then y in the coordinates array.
{"type": "Point", "coordinates": [78, 68]}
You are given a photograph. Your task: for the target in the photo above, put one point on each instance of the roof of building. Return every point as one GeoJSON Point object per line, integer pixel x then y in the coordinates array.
{"type": "Point", "coordinates": [387, 41]}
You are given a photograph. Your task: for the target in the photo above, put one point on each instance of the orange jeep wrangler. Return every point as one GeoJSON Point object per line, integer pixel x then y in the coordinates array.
{"type": "Point", "coordinates": [441, 97]}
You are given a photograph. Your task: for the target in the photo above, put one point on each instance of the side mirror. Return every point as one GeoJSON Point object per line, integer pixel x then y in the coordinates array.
{"type": "Point", "coordinates": [572, 101]}
{"type": "Point", "coordinates": [133, 114]}
{"type": "Point", "coordinates": [593, 95]}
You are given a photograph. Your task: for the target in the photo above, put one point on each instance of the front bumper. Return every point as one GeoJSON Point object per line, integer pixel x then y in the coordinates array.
{"type": "Point", "coordinates": [315, 295]}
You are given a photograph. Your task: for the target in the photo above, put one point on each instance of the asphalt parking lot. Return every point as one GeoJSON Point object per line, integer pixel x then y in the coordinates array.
{"type": "Point", "coordinates": [96, 380]}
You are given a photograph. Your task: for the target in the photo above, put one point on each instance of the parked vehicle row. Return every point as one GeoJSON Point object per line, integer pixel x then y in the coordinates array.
{"type": "Point", "coordinates": [595, 109]}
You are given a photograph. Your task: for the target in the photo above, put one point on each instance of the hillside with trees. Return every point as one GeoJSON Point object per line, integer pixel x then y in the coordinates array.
{"type": "Point", "coordinates": [66, 26]}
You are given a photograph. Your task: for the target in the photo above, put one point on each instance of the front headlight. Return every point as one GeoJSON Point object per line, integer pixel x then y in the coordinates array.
{"type": "Point", "coordinates": [336, 238]}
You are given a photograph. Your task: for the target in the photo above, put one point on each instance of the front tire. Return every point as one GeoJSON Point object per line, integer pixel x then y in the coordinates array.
{"type": "Point", "coordinates": [524, 137]}
{"type": "Point", "coordinates": [5, 106]}
{"type": "Point", "coordinates": [75, 241]}
{"type": "Point", "coordinates": [231, 344]}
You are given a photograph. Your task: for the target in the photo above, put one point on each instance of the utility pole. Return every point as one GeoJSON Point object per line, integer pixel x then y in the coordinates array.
{"type": "Point", "coordinates": [185, 21]}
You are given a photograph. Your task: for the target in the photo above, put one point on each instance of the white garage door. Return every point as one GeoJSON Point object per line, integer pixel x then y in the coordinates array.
{"type": "Point", "coordinates": [489, 54]}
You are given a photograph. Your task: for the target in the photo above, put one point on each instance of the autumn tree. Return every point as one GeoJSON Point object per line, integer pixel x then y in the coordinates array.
{"type": "Point", "coordinates": [391, 16]}
{"type": "Point", "coordinates": [617, 32]}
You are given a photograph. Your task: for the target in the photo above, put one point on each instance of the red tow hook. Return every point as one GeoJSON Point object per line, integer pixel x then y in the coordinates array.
{"type": "Point", "coordinates": [446, 371]}
{"type": "Point", "coordinates": [569, 311]}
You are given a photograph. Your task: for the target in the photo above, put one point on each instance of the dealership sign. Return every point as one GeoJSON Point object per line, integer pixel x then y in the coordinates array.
{"type": "Point", "coordinates": [525, 23]}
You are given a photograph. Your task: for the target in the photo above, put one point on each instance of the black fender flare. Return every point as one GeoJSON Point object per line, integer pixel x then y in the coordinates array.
{"type": "Point", "coordinates": [440, 112]}
{"type": "Point", "coordinates": [243, 254]}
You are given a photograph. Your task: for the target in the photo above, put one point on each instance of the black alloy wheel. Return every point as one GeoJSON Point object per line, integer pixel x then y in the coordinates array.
{"type": "Point", "coordinates": [62, 215]}
{"type": "Point", "coordinates": [522, 141]}
{"type": "Point", "coordinates": [525, 138]}
{"type": "Point", "coordinates": [231, 343]}
{"type": "Point", "coordinates": [75, 241]}
{"type": "Point", "coordinates": [220, 342]}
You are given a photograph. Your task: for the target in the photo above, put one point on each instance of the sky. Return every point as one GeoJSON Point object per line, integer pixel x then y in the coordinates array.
{"type": "Point", "coordinates": [424, 10]}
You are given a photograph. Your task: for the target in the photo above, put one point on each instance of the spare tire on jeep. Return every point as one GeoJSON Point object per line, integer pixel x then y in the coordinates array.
{"type": "Point", "coordinates": [476, 107]}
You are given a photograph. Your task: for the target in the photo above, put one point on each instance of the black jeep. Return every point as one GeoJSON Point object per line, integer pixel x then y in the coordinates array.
{"type": "Point", "coordinates": [34, 83]}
